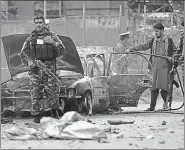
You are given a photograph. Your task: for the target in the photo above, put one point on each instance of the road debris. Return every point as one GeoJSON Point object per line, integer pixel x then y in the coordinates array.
{"type": "Point", "coordinates": [115, 131]}
{"type": "Point", "coordinates": [142, 137]}
{"type": "Point", "coordinates": [120, 135]}
{"type": "Point", "coordinates": [163, 123]}
{"type": "Point", "coordinates": [150, 137]}
{"type": "Point", "coordinates": [71, 126]}
{"type": "Point", "coordinates": [171, 131]}
{"type": "Point", "coordinates": [136, 145]}
{"type": "Point", "coordinates": [118, 122]}
{"type": "Point", "coordinates": [103, 140]}
{"type": "Point", "coordinates": [162, 142]}
{"type": "Point", "coordinates": [107, 129]}
{"type": "Point", "coordinates": [6, 120]}
{"type": "Point", "coordinates": [159, 128]}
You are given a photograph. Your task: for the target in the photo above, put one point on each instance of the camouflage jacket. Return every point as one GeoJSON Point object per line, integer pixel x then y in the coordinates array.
{"type": "Point", "coordinates": [27, 44]}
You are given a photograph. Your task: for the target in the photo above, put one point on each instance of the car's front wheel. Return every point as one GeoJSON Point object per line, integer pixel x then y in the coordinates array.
{"type": "Point", "coordinates": [85, 104]}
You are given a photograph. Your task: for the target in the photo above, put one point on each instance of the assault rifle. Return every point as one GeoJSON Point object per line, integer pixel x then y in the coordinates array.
{"type": "Point", "coordinates": [172, 74]}
{"type": "Point", "coordinates": [42, 66]}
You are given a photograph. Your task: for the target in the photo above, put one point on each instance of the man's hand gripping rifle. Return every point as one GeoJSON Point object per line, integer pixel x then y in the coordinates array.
{"type": "Point", "coordinates": [43, 67]}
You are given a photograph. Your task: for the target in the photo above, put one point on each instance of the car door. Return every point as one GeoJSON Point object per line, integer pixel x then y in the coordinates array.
{"type": "Point", "coordinates": [126, 89]}
{"type": "Point", "coordinates": [96, 71]}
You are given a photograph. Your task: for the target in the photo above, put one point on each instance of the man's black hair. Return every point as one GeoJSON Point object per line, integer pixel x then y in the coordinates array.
{"type": "Point", "coordinates": [159, 26]}
{"type": "Point", "coordinates": [39, 17]}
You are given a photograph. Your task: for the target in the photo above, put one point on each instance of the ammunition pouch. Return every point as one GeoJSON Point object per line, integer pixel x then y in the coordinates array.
{"type": "Point", "coordinates": [43, 52]}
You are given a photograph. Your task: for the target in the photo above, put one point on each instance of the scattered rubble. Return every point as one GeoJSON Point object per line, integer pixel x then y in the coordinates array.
{"type": "Point", "coordinates": [163, 123]}
{"type": "Point", "coordinates": [130, 144]}
{"type": "Point", "coordinates": [102, 140]}
{"type": "Point", "coordinates": [120, 135]}
{"type": "Point", "coordinates": [150, 137]}
{"type": "Point", "coordinates": [118, 122]}
{"type": "Point", "coordinates": [6, 120]}
{"type": "Point", "coordinates": [162, 142]}
{"type": "Point", "coordinates": [71, 126]}
{"type": "Point", "coordinates": [171, 131]}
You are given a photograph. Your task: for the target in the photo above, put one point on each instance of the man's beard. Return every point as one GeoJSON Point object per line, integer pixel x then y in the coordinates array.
{"type": "Point", "coordinates": [159, 36]}
{"type": "Point", "coordinates": [40, 30]}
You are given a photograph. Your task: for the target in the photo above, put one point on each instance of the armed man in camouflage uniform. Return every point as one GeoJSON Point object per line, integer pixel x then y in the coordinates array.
{"type": "Point", "coordinates": [45, 46]}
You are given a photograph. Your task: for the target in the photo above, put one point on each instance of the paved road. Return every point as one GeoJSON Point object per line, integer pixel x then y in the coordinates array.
{"type": "Point", "coordinates": [147, 132]}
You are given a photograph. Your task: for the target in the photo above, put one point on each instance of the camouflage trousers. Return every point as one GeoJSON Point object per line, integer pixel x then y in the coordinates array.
{"type": "Point", "coordinates": [44, 91]}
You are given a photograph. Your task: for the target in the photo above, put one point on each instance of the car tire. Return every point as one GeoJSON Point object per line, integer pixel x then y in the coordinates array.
{"type": "Point", "coordinates": [84, 106]}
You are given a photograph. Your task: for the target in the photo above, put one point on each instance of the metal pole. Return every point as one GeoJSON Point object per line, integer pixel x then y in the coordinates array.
{"type": "Point", "coordinates": [144, 22]}
{"type": "Point", "coordinates": [144, 33]}
{"type": "Point", "coordinates": [59, 7]}
{"type": "Point", "coordinates": [184, 42]}
{"type": "Point", "coordinates": [45, 9]}
{"type": "Point", "coordinates": [83, 24]}
{"type": "Point", "coordinates": [139, 8]}
{"type": "Point", "coordinates": [120, 14]}
{"type": "Point", "coordinates": [126, 14]}
{"type": "Point", "coordinates": [172, 25]}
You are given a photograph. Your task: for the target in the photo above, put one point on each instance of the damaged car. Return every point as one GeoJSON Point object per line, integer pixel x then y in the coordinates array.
{"type": "Point", "coordinates": [88, 82]}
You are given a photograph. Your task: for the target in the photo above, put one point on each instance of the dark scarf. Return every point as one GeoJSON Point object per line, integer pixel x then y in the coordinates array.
{"type": "Point", "coordinates": [36, 34]}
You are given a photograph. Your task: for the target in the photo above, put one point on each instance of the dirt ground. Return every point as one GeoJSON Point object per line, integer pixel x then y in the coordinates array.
{"type": "Point", "coordinates": [147, 132]}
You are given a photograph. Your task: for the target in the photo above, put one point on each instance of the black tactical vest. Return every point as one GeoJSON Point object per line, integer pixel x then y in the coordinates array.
{"type": "Point", "coordinates": [43, 52]}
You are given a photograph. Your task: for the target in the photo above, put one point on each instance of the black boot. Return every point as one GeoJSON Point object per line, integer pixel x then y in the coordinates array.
{"type": "Point", "coordinates": [154, 95]}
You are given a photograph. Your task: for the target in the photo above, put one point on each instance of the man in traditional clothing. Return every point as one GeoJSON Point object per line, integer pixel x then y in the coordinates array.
{"type": "Point", "coordinates": [45, 46]}
{"type": "Point", "coordinates": [164, 46]}
{"type": "Point", "coordinates": [120, 61]}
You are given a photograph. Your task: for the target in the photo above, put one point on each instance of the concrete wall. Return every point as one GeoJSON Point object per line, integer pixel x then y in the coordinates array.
{"type": "Point", "coordinates": [24, 9]}
{"type": "Point", "coordinates": [99, 30]}
{"type": "Point", "coordinates": [71, 8]}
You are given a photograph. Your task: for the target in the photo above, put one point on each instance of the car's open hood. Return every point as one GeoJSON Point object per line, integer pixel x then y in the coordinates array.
{"type": "Point", "coordinates": [12, 45]}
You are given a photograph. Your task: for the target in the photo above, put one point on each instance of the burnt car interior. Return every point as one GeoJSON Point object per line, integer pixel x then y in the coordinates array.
{"type": "Point", "coordinates": [95, 65]}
